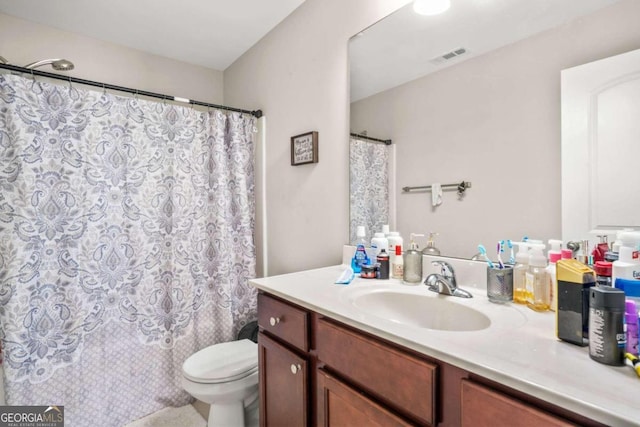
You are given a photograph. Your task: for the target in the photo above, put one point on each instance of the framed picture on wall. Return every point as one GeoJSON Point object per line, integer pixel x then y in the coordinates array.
{"type": "Point", "coordinates": [304, 148]}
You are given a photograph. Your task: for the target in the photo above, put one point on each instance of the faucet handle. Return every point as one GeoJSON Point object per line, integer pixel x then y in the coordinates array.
{"type": "Point", "coordinates": [445, 269]}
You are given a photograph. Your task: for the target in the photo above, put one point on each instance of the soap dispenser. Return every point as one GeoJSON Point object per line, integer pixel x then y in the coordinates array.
{"type": "Point", "coordinates": [412, 260]}
{"type": "Point", "coordinates": [537, 280]}
{"type": "Point", "coordinates": [431, 249]}
{"type": "Point", "coordinates": [519, 273]}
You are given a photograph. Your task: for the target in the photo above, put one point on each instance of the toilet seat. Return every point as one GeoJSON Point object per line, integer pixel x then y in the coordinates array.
{"type": "Point", "coordinates": [221, 363]}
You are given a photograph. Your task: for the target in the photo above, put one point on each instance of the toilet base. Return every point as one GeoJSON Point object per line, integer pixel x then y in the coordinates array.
{"type": "Point", "coordinates": [234, 414]}
{"type": "Point", "coordinates": [229, 414]}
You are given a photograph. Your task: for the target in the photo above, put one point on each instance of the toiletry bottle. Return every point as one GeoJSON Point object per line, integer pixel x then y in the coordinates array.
{"type": "Point", "coordinates": [607, 337]}
{"type": "Point", "coordinates": [360, 257]}
{"type": "Point", "coordinates": [554, 254]}
{"type": "Point", "coordinates": [382, 259]}
{"type": "Point", "coordinates": [627, 266]}
{"type": "Point", "coordinates": [397, 263]}
{"type": "Point", "coordinates": [519, 273]}
{"type": "Point", "coordinates": [631, 318]}
{"type": "Point", "coordinates": [379, 242]}
{"type": "Point", "coordinates": [385, 230]}
{"type": "Point", "coordinates": [582, 254]}
{"type": "Point", "coordinates": [537, 280]}
{"type": "Point", "coordinates": [412, 274]}
{"type": "Point", "coordinates": [431, 249]}
{"type": "Point", "coordinates": [603, 273]}
{"type": "Point", "coordinates": [394, 239]}
{"type": "Point", "coordinates": [601, 248]}
{"type": "Point", "coordinates": [615, 246]}
{"type": "Point", "coordinates": [572, 316]}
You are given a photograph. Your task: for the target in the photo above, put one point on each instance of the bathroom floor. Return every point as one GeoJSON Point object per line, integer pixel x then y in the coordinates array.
{"type": "Point", "coordinates": [184, 416]}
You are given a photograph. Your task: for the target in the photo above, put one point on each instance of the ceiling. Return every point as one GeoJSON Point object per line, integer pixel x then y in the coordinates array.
{"type": "Point", "coordinates": [211, 33]}
{"type": "Point", "coordinates": [401, 47]}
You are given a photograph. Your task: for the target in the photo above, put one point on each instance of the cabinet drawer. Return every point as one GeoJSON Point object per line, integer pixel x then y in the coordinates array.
{"type": "Point", "coordinates": [284, 321]}
{"type": "Point", "coordinates": [482, 406]}
{"type": "Point", "coordinates": [403, 381]}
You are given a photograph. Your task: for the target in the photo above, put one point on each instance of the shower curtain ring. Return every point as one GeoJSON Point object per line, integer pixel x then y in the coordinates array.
{"type": "Point", "coordinates": [104, 90]}
{"type": "Point", "coordinates": [34, 81]}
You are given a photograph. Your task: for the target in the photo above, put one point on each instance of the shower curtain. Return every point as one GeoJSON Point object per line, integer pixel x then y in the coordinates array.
{"type": "Point", "coordinates": [126, 244]}
{"type": "Point", "coordinates": [369, 186]}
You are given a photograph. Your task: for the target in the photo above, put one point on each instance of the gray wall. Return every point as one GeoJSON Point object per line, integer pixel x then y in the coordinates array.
{"type": "Point", "coordinates": [298, 74]}
{"type": "Point", "coordinates": [22, 42]}
{"type": "Point", "coordinates": [493, 120]}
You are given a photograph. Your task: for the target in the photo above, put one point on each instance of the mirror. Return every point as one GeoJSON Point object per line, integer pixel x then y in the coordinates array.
{"type": "Point", "coordinates": [474, 95]}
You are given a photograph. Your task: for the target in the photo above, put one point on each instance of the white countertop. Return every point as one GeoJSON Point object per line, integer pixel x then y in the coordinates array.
{"type": "Point", "coordinates": [519, 348]}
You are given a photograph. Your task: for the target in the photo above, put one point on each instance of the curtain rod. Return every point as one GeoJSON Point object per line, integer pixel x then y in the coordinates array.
{"type": "Point", "coordinates": [255, 113]}
{"type": "Point", "coordinates": [384, 141]}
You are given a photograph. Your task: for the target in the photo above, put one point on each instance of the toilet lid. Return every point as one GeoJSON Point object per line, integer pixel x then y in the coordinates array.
{"type": "Point", "coordinates": [222, 362]}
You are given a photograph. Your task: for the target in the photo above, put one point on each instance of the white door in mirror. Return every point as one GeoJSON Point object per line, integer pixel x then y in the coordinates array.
{"type": "Point", "coordinates": [600, 150]}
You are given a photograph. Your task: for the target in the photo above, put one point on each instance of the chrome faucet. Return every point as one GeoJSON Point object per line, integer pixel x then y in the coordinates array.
{"type": "Point", "coordinates": [445, 282]}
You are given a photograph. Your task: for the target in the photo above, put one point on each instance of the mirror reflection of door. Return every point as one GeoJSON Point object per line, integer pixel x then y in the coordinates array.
{"type": "Point", "coordinates": [601, 146]}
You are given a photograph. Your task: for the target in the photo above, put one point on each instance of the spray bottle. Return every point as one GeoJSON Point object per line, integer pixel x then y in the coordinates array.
{"type": "Point", "coordinates": [554, 254]}
{"type": "Point", "coordinates": [412, 274]}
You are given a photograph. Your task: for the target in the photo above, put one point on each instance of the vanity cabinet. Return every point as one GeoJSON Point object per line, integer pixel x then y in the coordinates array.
{"type": "Point", "coordinates": [316, 371]}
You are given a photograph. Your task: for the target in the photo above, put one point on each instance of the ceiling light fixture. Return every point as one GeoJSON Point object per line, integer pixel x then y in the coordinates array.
{"type": "Point", "coordinates": [430, 7]}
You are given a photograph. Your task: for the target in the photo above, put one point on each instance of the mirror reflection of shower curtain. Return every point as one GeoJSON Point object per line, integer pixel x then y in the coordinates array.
{"type": "Point", "coordinates": [369, 178]}
{"type": "Point", "coordinates": [126, 245]}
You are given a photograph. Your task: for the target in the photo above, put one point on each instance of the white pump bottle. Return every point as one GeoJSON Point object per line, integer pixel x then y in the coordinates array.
{"type": "Point", "coordinates": [554, 254]}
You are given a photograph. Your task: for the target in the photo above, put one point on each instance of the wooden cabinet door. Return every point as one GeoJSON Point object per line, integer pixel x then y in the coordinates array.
{"type": "Point", "coordinates": [283, 385]}
{"type": "Point", "coordinates": [342, 406]}
{"type": "Point", "coordinates": [482, 406]}
{"type": "Point", "coordinates": [401, 381]}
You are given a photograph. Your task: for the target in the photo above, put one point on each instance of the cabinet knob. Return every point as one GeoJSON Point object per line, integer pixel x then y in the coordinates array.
{"type": "Point", "coordinates": [274, 321]}
{"type": "Point", "coordinates": [295, 368]}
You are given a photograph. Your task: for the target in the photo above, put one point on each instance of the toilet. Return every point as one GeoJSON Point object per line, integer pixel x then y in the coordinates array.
{"type": "Point", "coordinates": [225, 376]}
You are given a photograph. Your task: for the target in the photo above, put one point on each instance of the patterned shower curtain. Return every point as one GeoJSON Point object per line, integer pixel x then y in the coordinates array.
{"type": "Point", "coordinates": [126, 244]}
{"type": "Point", "coordinates": [369, 186]}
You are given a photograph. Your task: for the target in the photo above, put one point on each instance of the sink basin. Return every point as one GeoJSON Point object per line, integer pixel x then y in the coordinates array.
{"type": "Point", "coordinates": [423, 311]}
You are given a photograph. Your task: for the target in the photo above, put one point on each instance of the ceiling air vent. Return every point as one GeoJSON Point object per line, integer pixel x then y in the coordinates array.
{"type": "Point", "coordinates": [449, 55]}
